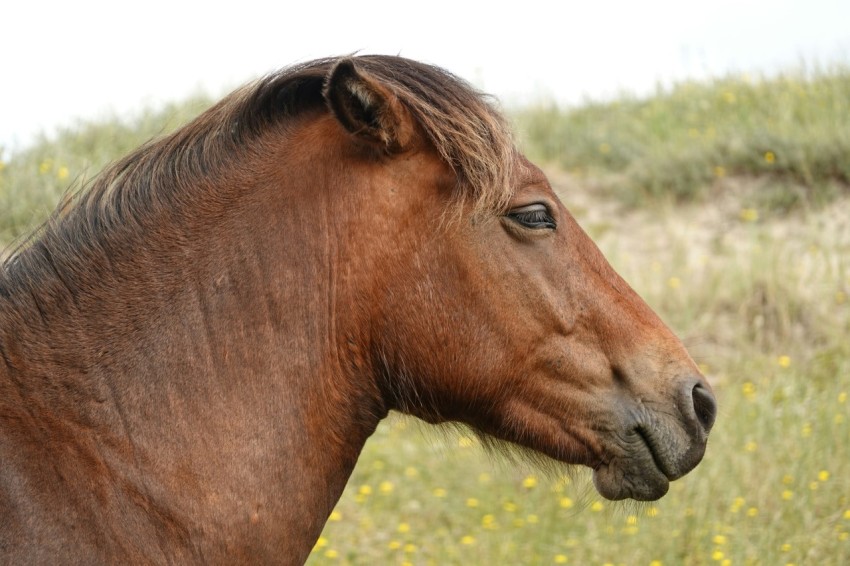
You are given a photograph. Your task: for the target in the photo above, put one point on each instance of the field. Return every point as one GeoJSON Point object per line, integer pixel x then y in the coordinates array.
{"type": "Point", "coordinates": [726, 206]}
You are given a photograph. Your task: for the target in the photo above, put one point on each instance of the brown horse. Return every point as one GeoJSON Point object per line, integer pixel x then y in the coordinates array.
{"type": "Point", "coordinates": [194, 350]}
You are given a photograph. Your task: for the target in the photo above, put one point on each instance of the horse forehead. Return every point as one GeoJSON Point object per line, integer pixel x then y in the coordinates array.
{"type": "Point", "coordinates": [527, 173]}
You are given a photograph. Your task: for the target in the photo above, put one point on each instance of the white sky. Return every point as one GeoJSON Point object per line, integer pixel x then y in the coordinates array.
{"type": "Point", "coordinates": [84, 58]}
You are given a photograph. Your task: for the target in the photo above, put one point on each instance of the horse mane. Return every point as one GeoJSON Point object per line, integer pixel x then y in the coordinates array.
{"type": "Point", "coordinates": [176, 173]}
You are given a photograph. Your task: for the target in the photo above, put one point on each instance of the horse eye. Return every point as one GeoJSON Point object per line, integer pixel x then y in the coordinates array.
{"type": "Point", "coordinates": [535, 216]}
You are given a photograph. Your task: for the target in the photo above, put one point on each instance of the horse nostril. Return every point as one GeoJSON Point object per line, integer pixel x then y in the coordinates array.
{"type": "Point", "coordinates": [705, 406]}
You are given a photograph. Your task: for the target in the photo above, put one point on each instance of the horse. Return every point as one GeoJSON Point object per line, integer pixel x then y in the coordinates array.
{"type": "Point", "coordinates": [195, 347]}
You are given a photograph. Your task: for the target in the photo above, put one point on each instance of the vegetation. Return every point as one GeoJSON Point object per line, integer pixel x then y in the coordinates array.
{"type": "Point", "coordinates": [757, 284]}
{"type": "Point", "coordinates": [683, 142]}
{"type": "Point", "coordinates": [33, 180]}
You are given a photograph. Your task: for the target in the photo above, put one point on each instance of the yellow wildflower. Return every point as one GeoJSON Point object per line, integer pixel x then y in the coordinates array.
{"type": "Point", "coordinates": [749, 214]}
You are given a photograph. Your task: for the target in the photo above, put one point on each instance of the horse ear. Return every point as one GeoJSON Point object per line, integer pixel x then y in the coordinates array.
{"type": "Point", "coordinates": [367, 108]}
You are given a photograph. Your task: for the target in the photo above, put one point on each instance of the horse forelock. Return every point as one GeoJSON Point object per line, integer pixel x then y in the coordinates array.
{"type": "Point", "coordinates": [464, 126]}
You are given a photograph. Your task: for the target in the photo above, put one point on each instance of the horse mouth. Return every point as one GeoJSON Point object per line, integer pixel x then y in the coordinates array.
{"type": "Point", "coordinates": [660, 463]}
{"type": "Point", "coordinates": [640, 474]}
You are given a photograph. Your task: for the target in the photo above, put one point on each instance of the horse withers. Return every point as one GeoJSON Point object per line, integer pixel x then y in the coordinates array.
{"type": "Point", "coordinates": [195, 348]}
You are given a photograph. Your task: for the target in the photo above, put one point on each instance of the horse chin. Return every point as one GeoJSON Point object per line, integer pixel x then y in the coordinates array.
{"type": "Point", "coordinates": [616, 483]}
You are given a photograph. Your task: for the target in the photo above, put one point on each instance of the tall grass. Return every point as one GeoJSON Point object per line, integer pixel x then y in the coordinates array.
{"type": "Point", "coordinates": [794, 129]}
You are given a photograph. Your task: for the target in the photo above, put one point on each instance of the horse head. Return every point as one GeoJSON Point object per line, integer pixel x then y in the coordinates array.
{"type": "Point", "coordinates": [484, 302]}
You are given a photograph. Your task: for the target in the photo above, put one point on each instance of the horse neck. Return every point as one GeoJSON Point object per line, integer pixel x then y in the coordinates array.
{"type": "Point", "coordinates": [213, 362]}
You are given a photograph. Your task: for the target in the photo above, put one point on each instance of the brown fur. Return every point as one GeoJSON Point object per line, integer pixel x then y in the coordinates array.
{"type": "Point", "coordinates": [194, 350]}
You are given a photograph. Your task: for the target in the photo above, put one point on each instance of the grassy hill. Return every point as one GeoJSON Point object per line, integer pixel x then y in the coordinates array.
{"type": "Point", "coordinates": [792, 131]}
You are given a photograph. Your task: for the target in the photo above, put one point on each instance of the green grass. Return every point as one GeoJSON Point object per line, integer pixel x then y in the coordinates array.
{"type": "Point", "coordinates": [682, 142]}
{"type": "Point", "coordinates": [715, 238]}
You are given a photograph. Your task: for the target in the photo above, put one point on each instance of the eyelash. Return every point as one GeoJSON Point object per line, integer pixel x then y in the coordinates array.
{"type": "Point", "coordinates": [536, 219]}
